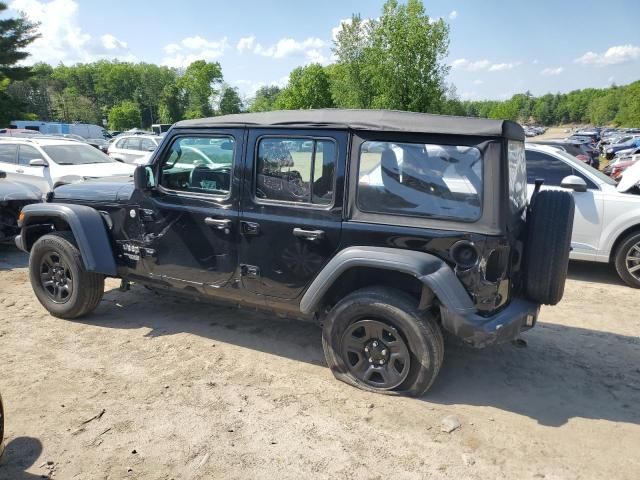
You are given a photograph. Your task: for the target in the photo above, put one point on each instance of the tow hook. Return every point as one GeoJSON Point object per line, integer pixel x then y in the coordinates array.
{"type": "Point", "coordinates": [125, 286]}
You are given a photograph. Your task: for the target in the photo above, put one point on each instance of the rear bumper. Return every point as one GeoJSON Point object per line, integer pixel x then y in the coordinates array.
{"type": "Point", "coordinates": [506, 325]}
{"type": "Point", "coordinates": [20, 243]}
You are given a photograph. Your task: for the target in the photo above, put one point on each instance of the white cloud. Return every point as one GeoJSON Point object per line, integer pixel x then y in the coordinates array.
{"type": "Point", "coordinates": [453, 15]}
{"type": "Point", "coordinates": [287, 47]}
{"type": "Point", "coordinates": [246, 43]}
{"type": "Point", "coordinates": [552, 71]}
{"type": "Point", "coordinates": [499, 67]}
{"type": "Point", "coordinates": [62, 39]}
{"type": "Point", "coordinates": [248, 88]}
{"type": "Point", "coordinates": [190, 49]}
{"type": "Point", "coordinates": [464, 64]}
{"type": "Point", "coordinates": [474, 66]}
{"type": "Point", "coordinates": [613, 56]}
{"type": "Point", "coordinates": [112, 43]}
{"type": "Point", "coordinates": [478, 82]}
{"type": "Point", "coordinates": [536, 61]}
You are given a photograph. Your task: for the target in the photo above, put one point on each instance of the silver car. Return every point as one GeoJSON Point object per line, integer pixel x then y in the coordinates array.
{"type": "Point", "coordinates": [129, 148]}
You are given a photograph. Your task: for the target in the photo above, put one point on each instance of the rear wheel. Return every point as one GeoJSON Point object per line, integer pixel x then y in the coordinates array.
{"type": "Point", "coordinates": [59, 278]}
{"type": "Point", "coordinates": [627, 260]}
{"type": "Point", "coordinates": [377, 340]}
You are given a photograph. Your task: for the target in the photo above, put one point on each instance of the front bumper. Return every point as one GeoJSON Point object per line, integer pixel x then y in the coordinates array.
{"type": "Point", "coordinates": [506, 325]}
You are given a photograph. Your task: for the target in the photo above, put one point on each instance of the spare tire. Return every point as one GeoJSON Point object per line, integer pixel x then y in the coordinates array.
{"type": "Point", "coordinates": [549, 227]}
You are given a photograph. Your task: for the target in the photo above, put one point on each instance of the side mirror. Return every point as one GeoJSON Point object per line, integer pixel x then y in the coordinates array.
{"type": "Point", "coordinates": [575, 183]}
{"type": "Point", "coordinates": [38, 162]}
{"type": "Point", "coordinates": [3, 174]}
{"type": "Point", "coordinates": [151, 149]}
{"type": "Point", "coordinates": [143, 178]}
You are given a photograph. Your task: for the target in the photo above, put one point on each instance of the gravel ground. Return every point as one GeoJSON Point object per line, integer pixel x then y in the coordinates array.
{"type": "Point", "coordinates": [153, 388]}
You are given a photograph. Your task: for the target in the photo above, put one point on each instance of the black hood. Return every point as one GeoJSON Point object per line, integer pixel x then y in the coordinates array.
{"type": "Point", "coordinates": [100, 190]}
{"type": "Point", "coordinates": [11, 190]}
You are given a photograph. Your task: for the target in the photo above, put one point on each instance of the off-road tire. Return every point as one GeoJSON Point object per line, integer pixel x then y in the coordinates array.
{"type": "Point", "coordinates": [620, 259]}
{"type": "Point", "coordinates": [1, 427]}
{"type": "Point", "coordinates": [419, 330]}
{"type": "Point", "coordinates": [88, 287]}
{"type": "Point", "coordinates": [549, 229]}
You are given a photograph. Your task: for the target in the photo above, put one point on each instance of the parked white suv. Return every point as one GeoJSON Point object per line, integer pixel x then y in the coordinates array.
{"type": "Point", "coordinates": [48, 163]}
{"type": "Point", "coordinates": [606, 226]}
{"type": "Point", "coordinates": [129, 148]}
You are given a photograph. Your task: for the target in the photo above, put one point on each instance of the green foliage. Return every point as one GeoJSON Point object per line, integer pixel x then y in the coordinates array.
{"type": "Point", "coordinates": [309, 87]}
{"type": "Point", "coordinates": [609, 106]}
{"type": "Point", "coordinates": [124, 116]}
{"type": "Point", "coordinates": [230, 102]}
{"type": "Point", "coordinates": [197, 85]}
{"type": "Point", "coordinates": [15, 35]}
{"type": "Point", "coordinates": [394, 62]}
{"type": "Point", "coordinates": [265, 99]}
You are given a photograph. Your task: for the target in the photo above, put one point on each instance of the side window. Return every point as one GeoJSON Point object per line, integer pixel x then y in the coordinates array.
{"type": "Point", "coordinates": [296, 170]}
{"type": "Point", "coordinates": [122, 143]}
{"type": "Point", "coordinates": [546, 167]}
{"type": "Point", "coordinates": [418, 179]}
{"type": "Point", "coordinates": [147, 144]}
{"type": "Point", "coordinates": [199, 165]}
{"type": "Point", "coordinates": [26, 154]}
{"type": "Point", "coordinates": [133, 143]}
{"type": "Point", "coordinates": [8, 153]}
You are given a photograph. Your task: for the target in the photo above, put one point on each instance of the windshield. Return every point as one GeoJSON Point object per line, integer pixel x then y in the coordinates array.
{"type": "Point", "coordinates": [77, 154]}
{"type": "Point", "coordinates": [577, 163]}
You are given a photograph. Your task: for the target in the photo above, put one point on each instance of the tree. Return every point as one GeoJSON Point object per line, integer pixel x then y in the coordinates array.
{"type": "Point", "coordinates": [265, 98]}
{"type": "Point", "coordinates": [230, 101]}
{"type": "Point", "coordinates": [124, 116]}
{"type": "Point", "coordinates": [171, 104]}
{"type": "Point", "coordinates": [308, 87]}
{"type": "Point", "coordinates": [197, 83]}
{"type": "Point", "coordinates": [15, 35]}
{"type": "Point", "coordinates": [352, 75]}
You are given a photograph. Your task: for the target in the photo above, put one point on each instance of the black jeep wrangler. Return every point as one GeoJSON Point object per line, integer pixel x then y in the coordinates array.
{"type": "Point", "coordinates": [384, 227]}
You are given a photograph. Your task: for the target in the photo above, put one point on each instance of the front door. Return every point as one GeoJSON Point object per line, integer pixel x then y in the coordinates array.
{"type": "Point", "coordinates": [291, 208]}
{"type": "Point", "coordinates": [190, 221]}
{"type": "Point", "coordinates": [36, 176]}
{"type": "Point", "coordinates": [587, 222]}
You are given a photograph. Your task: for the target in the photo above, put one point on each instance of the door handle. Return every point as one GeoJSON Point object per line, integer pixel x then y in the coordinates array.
{"type": "Point", "coordinates": [308, 234]}
{"type": "Point", "coordinates": [219, 224]}
{"type": "Point", "coordinates": [19, 170]}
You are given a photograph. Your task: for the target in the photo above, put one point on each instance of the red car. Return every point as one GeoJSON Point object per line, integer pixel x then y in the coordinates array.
{"type": "Point", "coordinates": [620, 167]}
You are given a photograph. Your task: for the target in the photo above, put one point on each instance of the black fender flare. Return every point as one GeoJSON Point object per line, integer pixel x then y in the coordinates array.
{"type": "Point", "coordinates": [87, 226]}
{"type": "Point", "coordinates": [429, 269]}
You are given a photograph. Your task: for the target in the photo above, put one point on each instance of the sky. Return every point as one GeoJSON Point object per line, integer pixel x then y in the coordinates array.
{"type": "Point", "coordinates": [497, 47]}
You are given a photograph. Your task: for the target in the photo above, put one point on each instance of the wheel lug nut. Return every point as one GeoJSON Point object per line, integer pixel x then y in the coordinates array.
{"type": "Point", "coordinates": [371, 360]}
{"type": "Point", "coordinates": [384, 351]}
{"type": "Point", "coordinates": [366, 349]}
{"type": "Point", "coordinates": [381, 362]}
{"type": "Point", "coordinates": [375, 344]}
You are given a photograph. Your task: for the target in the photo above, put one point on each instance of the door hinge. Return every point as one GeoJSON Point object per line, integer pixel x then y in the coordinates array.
{"type": "Point", "coordinates": [249, 271]}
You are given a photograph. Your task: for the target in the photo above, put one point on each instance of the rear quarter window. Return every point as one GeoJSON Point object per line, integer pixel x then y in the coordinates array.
{"type": "Point", "coordinates": [421, 180]}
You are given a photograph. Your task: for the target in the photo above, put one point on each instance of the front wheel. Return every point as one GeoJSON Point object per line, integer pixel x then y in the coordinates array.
{"type": "Point", "coordinates": [377, 340]}
{"type": "Point", "coordinates": [59, 279]}
{"type": "Point", "coordinates": [627, 260]}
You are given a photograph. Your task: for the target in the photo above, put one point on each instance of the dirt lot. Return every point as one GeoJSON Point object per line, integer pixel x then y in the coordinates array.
{"type": "Point", "coordinates": [151, 388]}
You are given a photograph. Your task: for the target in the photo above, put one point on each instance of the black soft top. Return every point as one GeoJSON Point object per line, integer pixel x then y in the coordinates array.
{"type": "Point", "coordinates": [374, 120]}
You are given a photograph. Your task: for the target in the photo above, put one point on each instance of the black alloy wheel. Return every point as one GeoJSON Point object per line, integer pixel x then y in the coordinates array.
{"type": "Point", "coordinates": [376, 354]}
{"type": "Point", "coordinates": [56, 277]}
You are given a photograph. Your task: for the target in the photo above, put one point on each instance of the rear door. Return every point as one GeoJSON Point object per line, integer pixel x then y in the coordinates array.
{"type": "Point", "coordinates": [291, 215]}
